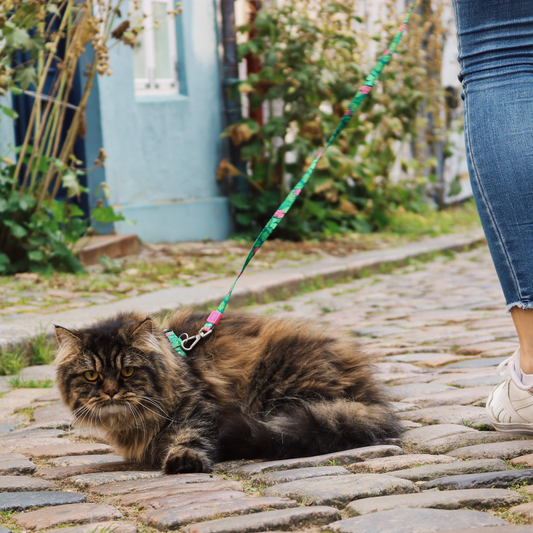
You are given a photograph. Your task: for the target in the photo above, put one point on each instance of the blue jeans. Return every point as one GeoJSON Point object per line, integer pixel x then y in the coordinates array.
{"type": "Point", "coordinates": [496, 57]}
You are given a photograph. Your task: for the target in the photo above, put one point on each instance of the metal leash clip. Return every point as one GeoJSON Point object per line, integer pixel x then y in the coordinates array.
{"type": "Point", "coordinates": [194, 340]}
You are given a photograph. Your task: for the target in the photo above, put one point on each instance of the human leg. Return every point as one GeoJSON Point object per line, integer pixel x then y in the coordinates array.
{"type": "Point", "coordinates": [496, 55]}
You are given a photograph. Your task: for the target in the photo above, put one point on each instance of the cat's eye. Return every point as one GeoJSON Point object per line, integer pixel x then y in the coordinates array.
{"type": "Point", "coordinates": [90, 375]}
{"type": "Point", "coordinates": [127, 371]}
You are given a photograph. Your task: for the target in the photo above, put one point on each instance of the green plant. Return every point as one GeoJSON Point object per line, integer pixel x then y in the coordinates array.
{"type": "Point", "coordinates": [11, 362]}
{"type": "Point", "coordinates": [314, 54]}
{"type": "Point", "coordinates": [42, 349]}
{"type": "Point", "coordinates": [18, 382]}
{"type": "Point", "coordinates": [111, 266]}
{"type": "Point", "coordinates": [38, 231]}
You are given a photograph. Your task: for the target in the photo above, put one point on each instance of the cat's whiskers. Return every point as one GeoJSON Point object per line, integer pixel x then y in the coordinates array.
{"type": "Point", "coordinates": [135, 413]}
{"type": "Point", "coordinates": [156, 414]}
{"type": "Point", "coordinates": [156, 403]}
{"type": "Point", "coordinates": [76, 414]}
{"type": "Point", "coordinates": [80, 415]}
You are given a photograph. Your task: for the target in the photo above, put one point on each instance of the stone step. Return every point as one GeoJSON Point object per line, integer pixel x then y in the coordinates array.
{"type": "Point", "coordinates": [90, 249]}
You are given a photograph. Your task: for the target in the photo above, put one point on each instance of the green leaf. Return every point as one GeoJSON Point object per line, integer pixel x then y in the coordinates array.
{"type": "Point", "coordinates": [72, 184]}
{"type": "Point", "coordinates": [26, 77]}
{"type": "Point", "coordinates": [52, 8]}
{"type": "Point", "coordinates": [111, 266]}
{"type": "Point", "coordinates": [36, 255]}
{"type": "Point", "coordinates": [240, 201]}
{"type": "Point", "coordinates": [11, 113]}
{"type": "Point", "coordinates": [57, 210]}
{"type": "Point", "coordinates": [244, 219]}
{"type": "Point", "coordinates": [17, 230]}
{"type": "Point", "coordinates": [16, 38]}
{"type": "Point", "coordinates": [76, 211]}
{"type": "Point", "coordinates": [105, 215]}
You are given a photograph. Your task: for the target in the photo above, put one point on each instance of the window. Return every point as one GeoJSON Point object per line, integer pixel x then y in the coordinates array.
{"type": "Point", "coordinates": [155, 62]}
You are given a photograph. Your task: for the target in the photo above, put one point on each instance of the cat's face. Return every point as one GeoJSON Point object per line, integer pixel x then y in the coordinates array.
{"type": "Point", "coordinates": [114, 373]}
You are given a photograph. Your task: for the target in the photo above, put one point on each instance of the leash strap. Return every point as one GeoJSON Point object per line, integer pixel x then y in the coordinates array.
{"type": "Point", "coordinates": [214, 317]}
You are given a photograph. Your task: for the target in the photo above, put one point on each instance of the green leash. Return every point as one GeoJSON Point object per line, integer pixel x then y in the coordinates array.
{"type": "Point", "coordinates": [184, 342]}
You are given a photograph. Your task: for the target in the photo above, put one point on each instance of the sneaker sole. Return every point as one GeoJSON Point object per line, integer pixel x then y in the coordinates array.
{"type": "Point", "coordinates": [520, 429]}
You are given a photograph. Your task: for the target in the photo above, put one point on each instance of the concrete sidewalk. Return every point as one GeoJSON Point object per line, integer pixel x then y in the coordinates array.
{"type": "Point", "coordinates": [279, 283]}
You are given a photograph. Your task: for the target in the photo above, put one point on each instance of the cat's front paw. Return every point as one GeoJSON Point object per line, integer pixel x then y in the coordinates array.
{"type": "Point", "coordinates": [185, 460]}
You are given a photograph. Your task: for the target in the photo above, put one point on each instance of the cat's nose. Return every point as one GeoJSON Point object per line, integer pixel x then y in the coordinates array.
{"type": "Point", "coordinates": [111, 392]}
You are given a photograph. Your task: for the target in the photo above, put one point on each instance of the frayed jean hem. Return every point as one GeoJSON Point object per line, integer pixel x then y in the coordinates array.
{"type": "Point", "coordinates": [520, 305]}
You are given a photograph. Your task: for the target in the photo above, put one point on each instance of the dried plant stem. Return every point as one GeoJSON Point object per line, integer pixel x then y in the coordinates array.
{"type": "Point", "coordinates": [38, 97]}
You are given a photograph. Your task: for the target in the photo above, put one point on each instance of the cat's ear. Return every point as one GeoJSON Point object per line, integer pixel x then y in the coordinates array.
{"type": "Point", "coordinates": [146, 327]}
{"type": "Point", "coordinates": [143, 336]}
{"type": "Point", "coordinates": [65, 337]}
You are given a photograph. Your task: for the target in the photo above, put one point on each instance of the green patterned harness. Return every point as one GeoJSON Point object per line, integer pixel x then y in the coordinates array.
{"type": "Point", "coordinates": [184, 342]}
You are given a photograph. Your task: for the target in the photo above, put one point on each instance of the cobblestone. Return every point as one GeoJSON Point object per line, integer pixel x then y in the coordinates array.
{"type": "Point", "coordinates": [17, 467]}
{"type": "Point", "coordinates": [415, 521]}
{"type": "Point", "coordinates": [63, 472]}
{"type": "Point", "coordinates": [462, 440]}
{"type": "Point", "coordinates": [387, 464]}
{"type": "Point", "coordinates": [501, 450]}
{"type": "Point", "coordinates": [127, 487]}
{"type": "Point", "coordinates": [61, 448]}
{"type": "Point", "coordinates": [67, 514]}
{"type": "Point", "coordinates": [85, 481]}
{"type": "Point", "coordinates": [100, 527]}
{"type": "Point", "coordinates": [84, 460]}
{"type": "Point", "coordinates": [447, 499]}
{"type": "Point", "coordinates": [427, 472]}
{"type": "Point", "coordinates": [19, 501]}
{"type": "Point", "coordinates": [283, 519]}
{"type": "Point", "coordinates": [24, 484]}
{"type": "Point", "coordinates": [436, 332]}
{"type": "Point", "coordinates": [346, 457]}
{"type": "Point", "coordinates": [142, 495]}
{"type": "Point", "coordinates": [284, 476]}
{"type": "Point", "coordinates": [175, 517]}
{"type": "Point", "coordinates": [501, 479]}
{"type": "Point", "coordinates": [340, 490]}
{"type": "Point", "coordinates": [191, 498]}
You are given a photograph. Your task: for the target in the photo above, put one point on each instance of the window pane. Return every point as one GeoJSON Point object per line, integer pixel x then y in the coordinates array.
{"type": "Point", "coordinates": [161, 41]}
{"type": "Point", "coordinates": [139, 49]}
{"type": "Point", "coordinates": [139, 58]}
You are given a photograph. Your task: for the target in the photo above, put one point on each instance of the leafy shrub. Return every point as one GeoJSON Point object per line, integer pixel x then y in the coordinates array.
{"type": "Point", "coordinates": [41, 37]}
{"type": "Point", "coordinates": [314, 55]}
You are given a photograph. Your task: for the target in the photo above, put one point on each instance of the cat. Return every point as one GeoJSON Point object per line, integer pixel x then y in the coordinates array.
{"type": "Point", "coordinates": [257, 388]}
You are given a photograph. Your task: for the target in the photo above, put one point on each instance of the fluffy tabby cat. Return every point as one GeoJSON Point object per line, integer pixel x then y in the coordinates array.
{"type": "Point", "coordinates": [257, 387]}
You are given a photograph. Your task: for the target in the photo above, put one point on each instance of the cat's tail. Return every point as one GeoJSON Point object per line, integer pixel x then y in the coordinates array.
{"type": "Point", "coordinates": [306, 429]}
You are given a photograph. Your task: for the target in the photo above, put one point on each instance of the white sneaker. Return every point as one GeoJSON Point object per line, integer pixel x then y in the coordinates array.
{"type": "Point", "coordinates": [510, 404]}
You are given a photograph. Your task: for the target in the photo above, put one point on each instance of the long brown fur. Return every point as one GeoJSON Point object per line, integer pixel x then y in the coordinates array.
{"type": "Point", "coordinates": [257, 387]}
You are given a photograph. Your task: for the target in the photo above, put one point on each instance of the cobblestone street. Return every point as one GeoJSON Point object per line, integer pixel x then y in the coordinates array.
{"type": "Point", "coordinates": [437, 332]}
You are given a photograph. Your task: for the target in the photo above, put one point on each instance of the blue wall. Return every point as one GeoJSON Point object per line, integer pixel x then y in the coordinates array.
{"type": "Point", "coordinates": [163, 150]}
{"type": "Point", "coordinates": [7, 132]}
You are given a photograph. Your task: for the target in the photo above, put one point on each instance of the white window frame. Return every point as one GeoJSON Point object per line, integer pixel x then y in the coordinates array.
{"type": "Point", "coordinates": [150, 86]}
